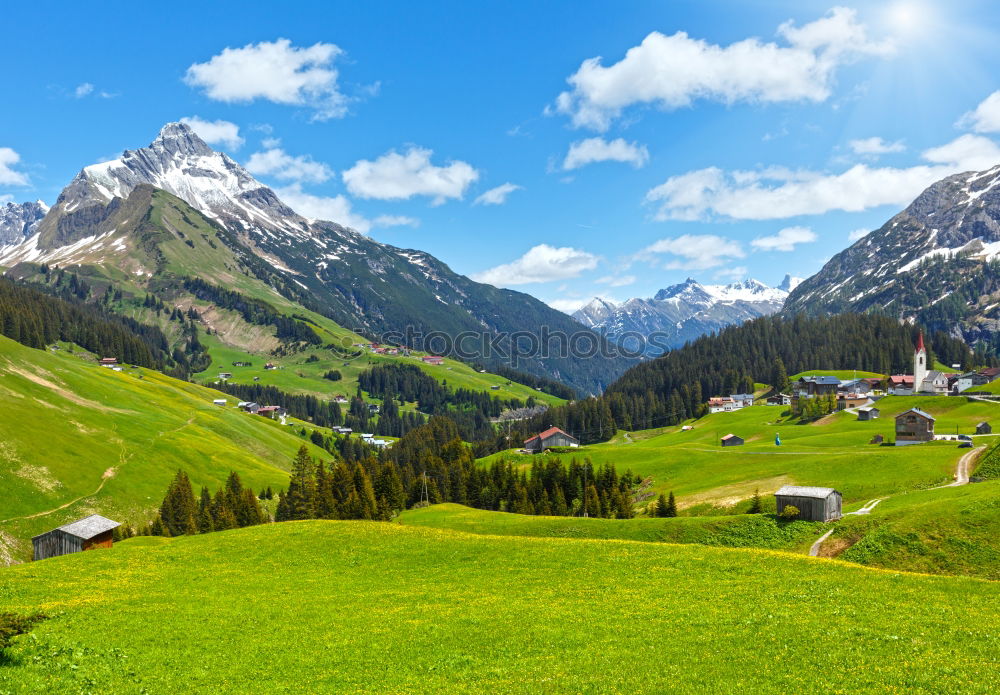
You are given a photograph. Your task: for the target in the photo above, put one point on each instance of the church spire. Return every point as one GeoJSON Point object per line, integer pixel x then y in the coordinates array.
{"type": "Point", "coordinates": [920, 343]}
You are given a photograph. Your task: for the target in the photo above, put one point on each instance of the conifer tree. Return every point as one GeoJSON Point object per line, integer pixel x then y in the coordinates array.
{"type": "Point", "coordinates": [756, 506]}
{"type": "Point", "coordinates": [671, 506]}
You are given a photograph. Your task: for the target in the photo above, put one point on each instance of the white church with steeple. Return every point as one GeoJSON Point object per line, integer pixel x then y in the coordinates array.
{"type": "Point", "coordinates": [926, 380]}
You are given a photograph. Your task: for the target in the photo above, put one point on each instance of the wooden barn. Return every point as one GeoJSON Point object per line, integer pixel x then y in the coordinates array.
{"type": "Point", "coordinates": [732, 440]}
{"type": "Point", "coordinates": [88, 533]}
{"type": "Point", "coordinates": [914, 426]}
{"type": "Point", "coordinates": [551, 437]}
{"type": "Point", "coordinates": [865, 414]}
{"type": "Point", "coordinates": [813, 503]}
{"type": "Point", "coordinates": [984, 428]}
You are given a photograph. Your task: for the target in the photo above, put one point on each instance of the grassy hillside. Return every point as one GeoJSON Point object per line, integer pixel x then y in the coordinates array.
{"type": "Point", "coordinates": [738, 531]}
{"type": "Point", "coordinates": [952, 530]}
{"type": "Point", "coordinates": [832, 452]}
{"type": "Point", "coordinates": [842, 374]}
{"type": "Point", "coordinates": [386, 608]}
{"type": "Point", "coordinates": [84, 439]}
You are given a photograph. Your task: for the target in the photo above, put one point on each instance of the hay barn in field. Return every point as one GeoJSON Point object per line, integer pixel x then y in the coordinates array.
{"type": "Point", "coordinates": [88, 533]}
{"type": "Point", "coordinates": [813, 503]}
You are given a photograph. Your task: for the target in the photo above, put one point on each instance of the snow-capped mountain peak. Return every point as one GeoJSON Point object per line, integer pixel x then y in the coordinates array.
{"type": "Point", "coordinates": [682, 312]}
{"type": "Point", "coordinates": [19, 220]}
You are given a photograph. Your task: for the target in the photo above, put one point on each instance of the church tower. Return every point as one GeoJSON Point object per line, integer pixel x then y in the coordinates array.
{"type": "Point", "coordinates": [919, 364]}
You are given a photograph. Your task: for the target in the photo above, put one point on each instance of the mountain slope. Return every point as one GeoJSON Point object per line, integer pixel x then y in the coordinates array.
{"type": "Point", "coordinates": [87, 439]}
{"type": "Point", "coordinates": [19, 220]}
{"type": "Point", "coordinates": [681, 313]}
{"type": "Point", "coordinates": [384, 292]}
{"type": "Point", "coordinates": [936, 262]}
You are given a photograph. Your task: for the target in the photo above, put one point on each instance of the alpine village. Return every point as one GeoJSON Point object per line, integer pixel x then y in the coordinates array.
{"type": "Point", "coordinates": [256, 443]}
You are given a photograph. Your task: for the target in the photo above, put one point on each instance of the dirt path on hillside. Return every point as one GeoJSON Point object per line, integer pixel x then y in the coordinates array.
{"type": "Point", "coordinates": [108, 474]}
{"type": "Point", "coordinates": [964, 468]}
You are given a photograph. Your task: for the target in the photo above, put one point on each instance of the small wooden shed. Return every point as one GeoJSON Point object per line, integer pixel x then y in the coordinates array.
{"type": "Point", "coordinates": [732, 440]}
{"type": "Point", "coordinates": [552, 437]}
{"type": "Point", "coordinates": [984, 428]}
{"type": "Point", "coordinates": [813, 503]}
{"type": "Point", "coordinates": [88, 533]}
{"type": "Point", "coordinates": [865, 414]}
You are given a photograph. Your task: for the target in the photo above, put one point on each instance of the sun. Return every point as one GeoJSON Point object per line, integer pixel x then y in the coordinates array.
{"type": "Point", "coordinates": [907, 17]}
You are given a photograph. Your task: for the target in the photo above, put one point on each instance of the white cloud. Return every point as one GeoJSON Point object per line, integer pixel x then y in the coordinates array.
{"type": "Point", "coordinates": [270, 143]}
{"type": "Point", "coordinates": [543, 263]}
{"type": "Point", "coordinates": [278, 163]}
{"type": "Point", "coordinates": [673, 71]}
{"type": "Point", "coordinates": [8, 176]}
{"type": "Point", "coordinates": [785, 240]}
{"type": "Point", "coordinates": [83, 90]}
{"type": "Point", "coordinates": [985, 118]}
{"type": "Point", "coordinates": [274, 71]}
{"type": "Point", "coordinates": [616, 280]}
{"type": "Point", "coordinates": [731, 274]}
{"type": "Point", "coordinates": [875, 146]}
{"type": "Point", "coordinates": [584, 152]}
{"type": "Point", "coordinates": [336, 209]}
{"type": "Point", "coordinates": [777, 193]}
{"type": "Point", "coordinates": [695, 251]}
{"type": "Point", "coordinates": [857, 234]}
{"type": "Point", "coordinates": [6, 198]}
{"type": "Point", "coordinates": [395, 176]}
{"type": "Point", "coordinates": [215, 132]}
{"type": "Point", "coordinates": [568, 306]}
{"type": "Point", "coordinates": [498, 195]}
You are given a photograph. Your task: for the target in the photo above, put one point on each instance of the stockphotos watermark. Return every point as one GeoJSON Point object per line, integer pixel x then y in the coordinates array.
{"type": "Point", "coordinates": [524, 346]}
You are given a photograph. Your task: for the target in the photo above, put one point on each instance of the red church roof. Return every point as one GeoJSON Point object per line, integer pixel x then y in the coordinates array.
{"type": "Point", "coordinates": [920, 343]}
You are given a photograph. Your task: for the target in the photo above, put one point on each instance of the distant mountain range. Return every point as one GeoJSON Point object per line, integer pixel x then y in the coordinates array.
{"type": "Point", "coordinates": [936, 262]}
{"type": "Point", "coordinates": [682, 312]}
{"type": "Point", "coordinates": [19, 220]}
{"type": "Point", "coordinates": [109, 219]}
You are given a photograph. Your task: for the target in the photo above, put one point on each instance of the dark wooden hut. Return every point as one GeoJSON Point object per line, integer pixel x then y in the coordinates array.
{"type": "Point", "coordinates": [984, 428]}
{"type": "Point", "coordinates": [913, 426]}
{"type": "Point", "coordinates": [813, 503]}
{"type": "Point", "coordinates": [732, 440]}
{"type": "Point", "coordinates": [88, 533]}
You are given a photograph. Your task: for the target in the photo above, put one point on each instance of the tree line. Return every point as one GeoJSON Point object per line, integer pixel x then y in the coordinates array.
{"type": "Point", "coordinates": [674, 387]}
{"type": "Point", "coordinates": [35, 318]}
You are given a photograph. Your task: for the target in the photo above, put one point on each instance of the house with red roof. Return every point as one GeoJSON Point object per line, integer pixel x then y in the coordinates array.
{"type": "Point", "coordinates": [551, 437]}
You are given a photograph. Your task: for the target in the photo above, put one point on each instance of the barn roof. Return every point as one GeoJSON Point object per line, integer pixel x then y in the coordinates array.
{"type": "Point", "coordinates": [89, 526]}
{"type": "Point", "coordinates": [731, 436]}
{"type": "Point", "coordinates": [823, 379]}
{"type": "Point", "coordinates": [918, 411]}
{"type": "Point", "coordinates": [820, 493]}
{"type": "Point", "coordinates": [548, 433]}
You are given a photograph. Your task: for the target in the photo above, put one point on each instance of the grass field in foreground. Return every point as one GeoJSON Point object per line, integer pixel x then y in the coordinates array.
{"type": "Point", "coordinates": [327, 607]}
{"type": "Point", "coordinates": [832, 452]}
{"type": "Point", "coordinates": [738, 531]}
{"type": "Point", "coordinates": [953, 530]}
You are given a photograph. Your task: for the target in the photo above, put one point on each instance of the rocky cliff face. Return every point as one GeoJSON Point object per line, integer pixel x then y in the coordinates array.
{"type": "Point", "coordinates": [19, 220]}
{"type": "Point", "coordinates": [681, 312]}
{"type": "Point", "coordinates": [936, 262]}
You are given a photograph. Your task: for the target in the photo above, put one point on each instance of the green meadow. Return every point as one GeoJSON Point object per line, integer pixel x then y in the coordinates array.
{"type": "Point", "coordinates": [737, 531]}
{"type": "Point", "coordinates": [831, 452]}
{"type": "Point", "coordinates": [385, 608]}
{"type": "Point", "coordinates": [85, 439]}
{"type": "Point", "coordinates": [953, 530]}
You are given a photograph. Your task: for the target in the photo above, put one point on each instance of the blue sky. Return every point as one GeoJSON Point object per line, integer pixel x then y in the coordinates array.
{"type": "Point", "coordinates": [562, 149]}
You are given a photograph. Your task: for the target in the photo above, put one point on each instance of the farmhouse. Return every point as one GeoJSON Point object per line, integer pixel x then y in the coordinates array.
{"type": "Point", "coordinates": [984, 428]}
{"type": "Point", "coordinates": [269, 366]}
{"type": "Point", "coordinates": [813, 503]}
{"type": "Point", "coordinates": [551, 437]}
{"type": "Point", "coordinates": [109, 361]}
{"type": "Point", "coordinates": [968, 380]}
{"type": "Point", "coordinates": [866, 414]}
{"type": "Point", "coordinates": [779, 399]}
{"type": "Point", "coordinates": [225, 375]}
{"type": "Point", "coordinates": [219, 401]}
{"type": "Point", "coordinates": [725, 404]}
{"type": "Point", "coordinates": [742, 400]}
{"type": "Point", "coordinates": [900, 385]}
{"type": "Point", "coordinates": [432, 359]}
{"type": "Point", "coordinates": [811, 386]}
{"type": "Point", "coordinates": [914, 426]}
{"type": "Point", "coordinates": [88, 533]}
{"type": "Point", "coordinates": [271, 411]}
{"type": "Point", "coordinates": [250, 407]}
{"type": "Point", "coordinates": [851, 400]}
{"type": "Point", "coordinates": [732, 440]}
